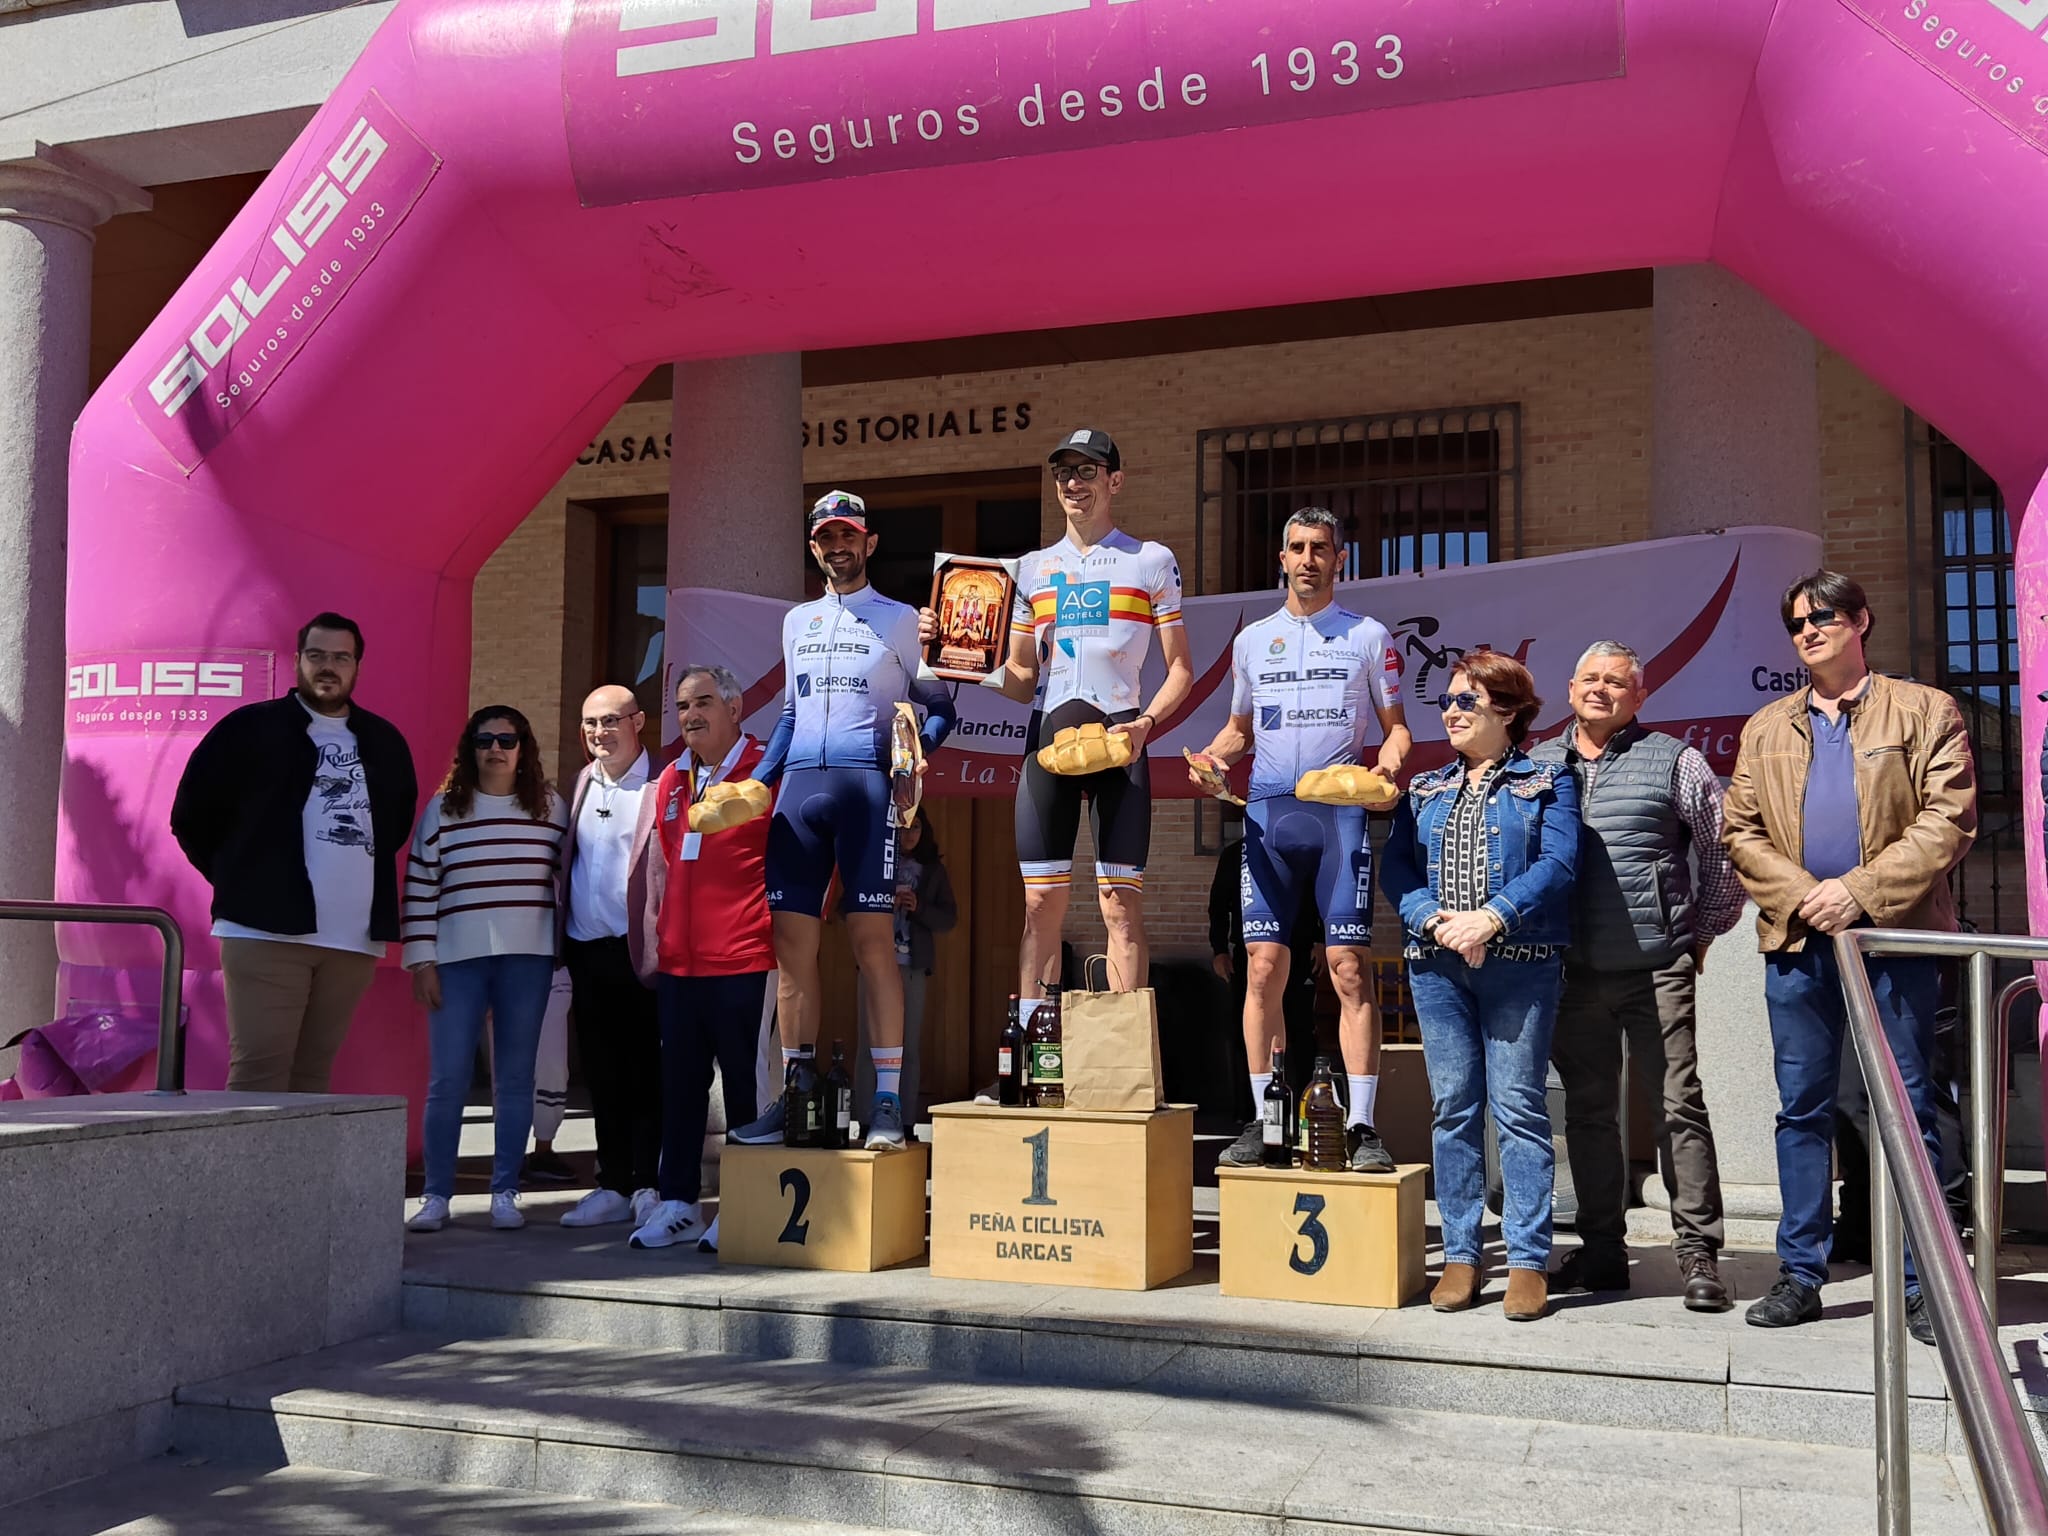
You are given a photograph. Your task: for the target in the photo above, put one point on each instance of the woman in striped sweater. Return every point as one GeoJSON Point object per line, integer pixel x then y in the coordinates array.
{"type": "Point", "coordinates": [479, 932]}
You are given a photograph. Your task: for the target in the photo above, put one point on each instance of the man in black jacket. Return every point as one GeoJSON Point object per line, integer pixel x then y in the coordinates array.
{"type": "Point", "coordinates": [295, 810]}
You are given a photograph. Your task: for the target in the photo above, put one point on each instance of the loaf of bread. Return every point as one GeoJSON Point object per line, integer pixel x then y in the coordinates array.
{"type": "Point", "coordinates": [1085, 749]}
{"type": "Point", "coordinates": [1349, 784]}
{"type": "Point", "coordinates": [726, 806]}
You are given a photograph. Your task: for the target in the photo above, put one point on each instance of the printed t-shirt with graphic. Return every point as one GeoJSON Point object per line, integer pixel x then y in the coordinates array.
{"type": "Point", "coordinates": [341, 853]}
{"type": "Point", "coordinates": [1093, 616]}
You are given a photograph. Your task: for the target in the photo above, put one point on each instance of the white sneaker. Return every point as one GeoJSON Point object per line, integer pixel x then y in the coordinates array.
{"type": "Point", "coordinates": [430, 1217]}
{"type": "Point", "coordinates": [505, 1213]}
{"type": "Point", "coordinates": [644, 1202]}
{"type": "Point", "coordinates": [672, 1222]}
{"type": "Point", "coordinates": [708, 1243]}
{"type": "Point", "coordinates": [599, 1208]}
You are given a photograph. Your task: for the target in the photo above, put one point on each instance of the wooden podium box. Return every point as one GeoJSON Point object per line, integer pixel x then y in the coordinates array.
{"type": "Point", "coordinates": [795, 1208]}
{"type": "Point", "coordinates": [1063, 1197]}
{"type": "Point", "coordinates": [1355, 1239]}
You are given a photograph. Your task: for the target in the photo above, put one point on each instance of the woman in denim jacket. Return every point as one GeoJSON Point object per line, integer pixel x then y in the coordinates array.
{"type": "Point", "coordinates": [1479, 864]}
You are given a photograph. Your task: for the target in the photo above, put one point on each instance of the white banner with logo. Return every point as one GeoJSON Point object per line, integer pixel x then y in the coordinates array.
{"type": "Point", "coordinates": [1701, 611]}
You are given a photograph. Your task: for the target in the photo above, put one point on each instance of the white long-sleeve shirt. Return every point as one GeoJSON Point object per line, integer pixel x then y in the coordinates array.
{"type": "Point", "coordinates": [482, 884]}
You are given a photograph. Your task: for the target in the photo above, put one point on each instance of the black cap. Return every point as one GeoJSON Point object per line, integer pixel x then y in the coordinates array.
{"type": "Point", "coordinates": [1090, 443]}
{"type": "Point", "coordinates": [838, 507]}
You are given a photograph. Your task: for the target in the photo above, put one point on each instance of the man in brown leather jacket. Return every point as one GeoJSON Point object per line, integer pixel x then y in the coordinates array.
{"type": "Point", "coordinates": [1850, 803]}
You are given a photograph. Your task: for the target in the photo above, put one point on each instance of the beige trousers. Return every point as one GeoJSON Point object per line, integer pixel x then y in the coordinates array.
{"type": "Point", "coordinates": [289, 1007]}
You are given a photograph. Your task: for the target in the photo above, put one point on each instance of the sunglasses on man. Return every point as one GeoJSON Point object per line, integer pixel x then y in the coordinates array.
{"type": "Point", "coordinates": [504, 741]}
{"type": "Point", "coordinates": [1819, 618]}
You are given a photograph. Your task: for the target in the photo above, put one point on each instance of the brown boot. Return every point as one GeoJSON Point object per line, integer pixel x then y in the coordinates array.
{"type": "Point", "coordinates": [1528, 1295]}
{"type": "Point", "coordinates": [1457, 1290]}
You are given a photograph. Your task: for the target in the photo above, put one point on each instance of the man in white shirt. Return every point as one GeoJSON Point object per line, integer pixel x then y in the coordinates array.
{"type": "Point", "coordinates": [618, 1032]}
{"type": "Point", "coordinates": [294, 809]}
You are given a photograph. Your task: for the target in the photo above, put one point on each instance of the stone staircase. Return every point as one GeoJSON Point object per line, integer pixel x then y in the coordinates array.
{"type": "Point", "coordinates": [566, 1383]}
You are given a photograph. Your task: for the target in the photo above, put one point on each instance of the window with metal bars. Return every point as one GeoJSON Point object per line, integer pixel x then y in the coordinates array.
{"type": "Point", "coordinates": [1968, 562]}
{"type": "Point", "coordinates": [1413, 490]}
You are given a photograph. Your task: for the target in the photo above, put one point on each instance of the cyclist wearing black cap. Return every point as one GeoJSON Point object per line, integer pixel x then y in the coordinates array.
{"type": "Point", "coordinates": [1085, 614]}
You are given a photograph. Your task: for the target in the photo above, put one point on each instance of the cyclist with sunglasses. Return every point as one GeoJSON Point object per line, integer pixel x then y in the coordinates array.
{"type": "Point", "coordinates": [1085, 613]}
{"type": "Point", "coordinates": [1304, 684]}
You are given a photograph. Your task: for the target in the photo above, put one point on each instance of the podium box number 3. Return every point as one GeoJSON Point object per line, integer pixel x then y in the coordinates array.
{"type": "Point", "coordinates": [794, 1208]}
{"type": "Point", "coordinates": [1062, 1197]}
{"type": "Point", "coordinates": [1355, 1239]}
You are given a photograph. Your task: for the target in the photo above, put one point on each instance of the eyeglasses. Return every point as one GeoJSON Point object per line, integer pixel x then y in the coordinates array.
{"type": "Point", "coordinates": [610, 722]}
{"type": "Point", "coordinates": [1466, 702]}
{"type": "Point", "coordinates": [1819, 618]}
{"type": "Point", "coordinates": [329, 658]}
{"type": "Point", "coordinates": [1063, 473]}
{"type": "Point", "coordinates": [504, 741]}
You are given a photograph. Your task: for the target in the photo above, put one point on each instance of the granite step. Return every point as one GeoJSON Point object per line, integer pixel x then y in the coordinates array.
{"type": "Point", "coordinates": [910, 1448]}
{"type": "Point", "coordinates": [187, 1496]}
{"type": "Point", "coordinates": [1634, 1361]}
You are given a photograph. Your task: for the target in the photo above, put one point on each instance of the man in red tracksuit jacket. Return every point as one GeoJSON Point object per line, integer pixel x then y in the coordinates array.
{"type": "Point", "coordinates": [701, 935]}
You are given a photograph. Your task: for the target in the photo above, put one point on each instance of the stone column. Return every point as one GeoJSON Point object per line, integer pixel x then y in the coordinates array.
{"type": "Point", "coordinates": [735, 519]}
{"type": "Point", "coordinates": [50, 203]}
{"type": "Point", "coordinates": [1735, 440]}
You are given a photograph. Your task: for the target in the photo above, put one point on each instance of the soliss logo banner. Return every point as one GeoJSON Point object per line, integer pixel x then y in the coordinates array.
{"type": "Point", "coordinates": [667, 98]}
{"type": "Point", "coordinates": [326, 230]}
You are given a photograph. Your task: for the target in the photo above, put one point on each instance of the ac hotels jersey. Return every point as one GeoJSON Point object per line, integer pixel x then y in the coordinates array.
{"type": "Point", "coordinates": [1093, 616]}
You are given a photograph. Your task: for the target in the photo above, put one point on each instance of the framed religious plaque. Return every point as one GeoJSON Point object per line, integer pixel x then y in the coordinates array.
{"type": "Point", "coordinates": [971, 595]}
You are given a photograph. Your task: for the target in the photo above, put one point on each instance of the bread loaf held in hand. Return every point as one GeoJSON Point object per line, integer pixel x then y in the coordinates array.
{"type": "Point", "coordinates": [1086, 748]}
{"type": "Point", "coordinates": [726, 806]}
{"type": "Point", "coordinates": [1348, 784]}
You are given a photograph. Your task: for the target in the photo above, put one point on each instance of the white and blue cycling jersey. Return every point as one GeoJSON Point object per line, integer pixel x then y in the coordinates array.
{"type": "Point", "coordinates": [1311, 686]}
{"type": "Point", "coordinates": [847, 662]}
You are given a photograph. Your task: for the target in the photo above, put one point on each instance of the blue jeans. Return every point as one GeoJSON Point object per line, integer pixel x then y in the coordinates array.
{"type": "Point", "coordinates": [1809, 1021]}
{"type": "Point", "coordinates": [1486, 1041]}
{"type": "Point", "coordinates": [513, 989]}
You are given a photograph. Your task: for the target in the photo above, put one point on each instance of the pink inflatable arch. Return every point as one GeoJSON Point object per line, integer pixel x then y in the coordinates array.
{"type": "Point", "coordinates": [510, 209]}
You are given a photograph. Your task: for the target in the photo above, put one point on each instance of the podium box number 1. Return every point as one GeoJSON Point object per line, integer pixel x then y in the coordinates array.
{"type": "Point", "coordinates": [1062, 1197]}
{"type": "Point", "coordinates": [1355, 1239]}
{"type": "Point", "coordinates": [795, 1208]}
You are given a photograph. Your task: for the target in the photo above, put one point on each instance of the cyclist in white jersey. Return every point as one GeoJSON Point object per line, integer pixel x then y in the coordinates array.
{"type": "Point", "coordinates": [1083, 621]}
{"type": "Point", "coordinates": [1303, 684]}
{"type": "Point", "coordinates": [847, 658]}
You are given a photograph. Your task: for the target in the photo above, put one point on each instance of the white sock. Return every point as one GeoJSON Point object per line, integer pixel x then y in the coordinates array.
{"type": "Point", "coordinates": [1259, 1082]}
{"type": "Point", "coordinates": [789, 1054]}
{"type": "Point", "coordinates": [1365, 1093]}
{"type": "Point", "coordinates": [888, 1067]}
{"type": "Point", "coordinates": [1026, 1007]}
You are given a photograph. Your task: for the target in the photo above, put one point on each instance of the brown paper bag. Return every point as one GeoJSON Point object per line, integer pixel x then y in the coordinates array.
{"type": "Point", "coordinates": [1111, 1045]}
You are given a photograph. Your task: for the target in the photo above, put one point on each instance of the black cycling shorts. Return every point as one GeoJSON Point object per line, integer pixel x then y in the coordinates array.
{"type": "Point", "coordinates": [1049, 809]}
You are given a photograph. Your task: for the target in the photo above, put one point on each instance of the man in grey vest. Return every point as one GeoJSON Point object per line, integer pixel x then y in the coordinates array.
{"type": "Point", "coordinates": [1641, 924]}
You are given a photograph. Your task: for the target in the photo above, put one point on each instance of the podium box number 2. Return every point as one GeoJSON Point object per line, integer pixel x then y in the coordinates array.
{"type": "Point", "coordinates": [1355, 1239]}
{"type": "Point", "coordinates": [799, 1209]}
{"type": "Point", "coordinates": [1062, 1197]}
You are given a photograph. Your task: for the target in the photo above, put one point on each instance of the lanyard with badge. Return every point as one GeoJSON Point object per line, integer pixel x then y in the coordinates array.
{"type": "Point", "coordinates": [693, 842]}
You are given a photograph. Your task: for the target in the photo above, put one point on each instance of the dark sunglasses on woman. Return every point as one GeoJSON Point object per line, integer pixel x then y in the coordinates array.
{"type": "Point", "coordinates": [504, 741]}
{"type": "Point", "coordinates": [1467, 702]}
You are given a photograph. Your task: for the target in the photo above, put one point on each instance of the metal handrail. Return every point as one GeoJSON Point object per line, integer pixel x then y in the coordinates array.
{"type": "Point", "coordinates": [2002, 1451]}
{"type": "Point", "coordinates": [170, 1034]}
